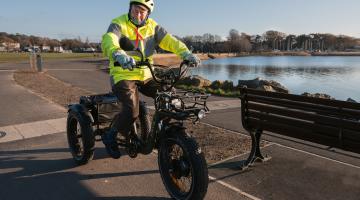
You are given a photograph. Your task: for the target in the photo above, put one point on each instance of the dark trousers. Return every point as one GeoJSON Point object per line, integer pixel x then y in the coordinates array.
{"type": "Point", "coordinates": [127, 92]}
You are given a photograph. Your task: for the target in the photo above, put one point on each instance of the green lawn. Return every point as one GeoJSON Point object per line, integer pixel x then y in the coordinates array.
{"type": "Point", "coordinates": [19, 57]}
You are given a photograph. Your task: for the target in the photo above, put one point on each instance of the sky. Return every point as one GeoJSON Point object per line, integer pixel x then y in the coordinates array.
{"type": "Point", "coordinates": [90, 19]}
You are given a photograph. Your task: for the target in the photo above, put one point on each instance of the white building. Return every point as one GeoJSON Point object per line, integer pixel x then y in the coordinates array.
{"type": "Point", "coordinates": [58, 49]}
{"type": "Point", "coordinates": [10, 46]}
{"type": "Point", "coordinates": [45, 48]}
{"type": "Point", "coordinates": [36, 48]}
{"type": "Point", "coordinates": [89, 49]}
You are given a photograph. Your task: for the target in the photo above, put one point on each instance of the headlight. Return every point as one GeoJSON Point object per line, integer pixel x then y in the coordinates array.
{"type": "Point", "coordinates": [201, 114]}
{"type": "Point", "coordinates": [176, 103]}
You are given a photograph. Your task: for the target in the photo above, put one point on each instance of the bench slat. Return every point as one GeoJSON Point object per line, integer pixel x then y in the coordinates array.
{"type": "Point", "coordinates": [296, 123]}
{"type": "Point", "coordinates": [318, 108]}
{"type": "Point", "coordinates": [351, 135]}
{"type": "Point", "coordinates": [328, 102]}
{"type": "Point", "coordinates": [305, 115]}
{"type": "Point", "coordinates": [350, 145]}
{"type": "Point", "coordinates": [296, 132]}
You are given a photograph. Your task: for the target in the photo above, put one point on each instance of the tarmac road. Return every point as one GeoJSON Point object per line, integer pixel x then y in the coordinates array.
{"type": "Point", "coordinates": [18, 105]}
{"type": "Point", "coordinates": [42, 168]}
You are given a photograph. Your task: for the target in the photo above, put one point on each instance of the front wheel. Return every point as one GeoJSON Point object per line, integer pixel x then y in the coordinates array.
{"type": "Point", "coordinates": [183, 167]}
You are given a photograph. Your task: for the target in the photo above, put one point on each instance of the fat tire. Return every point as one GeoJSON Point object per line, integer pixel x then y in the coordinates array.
{"type": "Point", "coordinates": [144, 122]}
{"type": "Point", "coordinates": [87, 137]}
{"type": "Point", "coordinates": [146, 135]}
{"type": "Point", "coordinates": [198, 164]}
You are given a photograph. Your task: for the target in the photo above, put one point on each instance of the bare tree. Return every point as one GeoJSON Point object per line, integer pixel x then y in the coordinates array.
{"type": "Point", "coordinates": [274, 39]}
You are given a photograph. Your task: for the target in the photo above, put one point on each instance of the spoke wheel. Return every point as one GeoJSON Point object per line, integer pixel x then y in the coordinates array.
{"type": "Point", "coordinates": [183, 168]}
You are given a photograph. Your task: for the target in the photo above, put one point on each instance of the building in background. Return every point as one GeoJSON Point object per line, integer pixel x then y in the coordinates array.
{"type": "Point", "coordinates": [45, 48]}
{"type": "Point", "coordinates": [58, 49]}
{"type": "Point", "coordinates": [10, 46]}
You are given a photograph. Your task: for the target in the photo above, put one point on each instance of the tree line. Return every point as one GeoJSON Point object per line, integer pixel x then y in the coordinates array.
{"type": "Point", "coordinates": [235, 42]}
{"type": "Point", "coordinates": [30, 41]}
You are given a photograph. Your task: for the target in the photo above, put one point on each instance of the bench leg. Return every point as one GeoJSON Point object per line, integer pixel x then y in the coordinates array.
{"type": "Point", "coordinates": [255, 153]}
{"type": "Point", "coordinates": [258, 155]}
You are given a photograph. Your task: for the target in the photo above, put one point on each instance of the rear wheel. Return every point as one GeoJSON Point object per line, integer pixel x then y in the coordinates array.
{"type": "Point", "coordinates": [183, 167]}
{"type": "Point", "coordinates": [81, 139]}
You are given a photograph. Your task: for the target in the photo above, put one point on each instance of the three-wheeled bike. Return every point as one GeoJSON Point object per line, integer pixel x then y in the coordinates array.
{"type": "Point", "coordinates": [182, 164]}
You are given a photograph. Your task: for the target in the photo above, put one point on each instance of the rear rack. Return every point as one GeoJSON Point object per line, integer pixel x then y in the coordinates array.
{"type": "Point", "coordinates": [104, 106]}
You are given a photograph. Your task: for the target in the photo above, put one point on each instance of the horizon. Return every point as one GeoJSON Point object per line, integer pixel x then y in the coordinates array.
{"type": "Point", "coordinates": [253, 17]}
{"type": "Point", "coordinates": [224, 39]}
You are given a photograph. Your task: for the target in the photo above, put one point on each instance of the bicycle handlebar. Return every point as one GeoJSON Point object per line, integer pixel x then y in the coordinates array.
{"type": "Point", "coordinates": [175, 79]}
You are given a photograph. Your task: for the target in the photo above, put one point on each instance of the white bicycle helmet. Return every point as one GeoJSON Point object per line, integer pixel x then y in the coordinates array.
{"type": "Point", "coordinates": [147, 3]}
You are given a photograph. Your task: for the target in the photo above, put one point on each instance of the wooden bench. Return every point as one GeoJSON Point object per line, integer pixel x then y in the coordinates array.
{"type": "Point", "coordinates": [328, 122]}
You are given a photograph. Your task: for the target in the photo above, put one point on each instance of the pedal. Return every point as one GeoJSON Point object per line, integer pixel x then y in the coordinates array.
{"type": "Point", "coordinates": [133, 147]}
{"type": "Point", "coordinates": [132, 151]}
{"type": "Point", "coordinates": [98, 138]}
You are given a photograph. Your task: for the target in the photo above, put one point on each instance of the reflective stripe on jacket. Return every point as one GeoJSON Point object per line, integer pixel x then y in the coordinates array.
{"type": "Point", "coordinates": [123, 35]}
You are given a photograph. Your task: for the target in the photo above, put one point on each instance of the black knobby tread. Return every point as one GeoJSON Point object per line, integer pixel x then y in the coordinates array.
{"type": "Point", "coordinates": [198, 157]}
{"type": "Point", "coordinates": [88, 137]}
{"type": "Point", "coordinates": [145, 124]}
{"type": "Point", "coordinates": [146, 134]}
{"type": "Point", "coordinates": [198, 161]}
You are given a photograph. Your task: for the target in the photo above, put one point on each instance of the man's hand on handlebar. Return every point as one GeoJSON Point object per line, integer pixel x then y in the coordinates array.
{"type": "Point", "coordinates": [193, 60]}
{"type": "Point", "coordinates": [123, 60]}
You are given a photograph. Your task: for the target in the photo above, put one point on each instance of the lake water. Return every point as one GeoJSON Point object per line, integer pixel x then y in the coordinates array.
{"type": "Point", "coordinates": [338, 76]}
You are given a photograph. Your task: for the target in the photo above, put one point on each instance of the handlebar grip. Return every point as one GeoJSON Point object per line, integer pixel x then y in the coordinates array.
{"type": "Point", "coordinates": [137, 65]}
{"type": "Point", "coordinates": [186, 62]}
{"type": "Point", "coordinates": [117, 64]}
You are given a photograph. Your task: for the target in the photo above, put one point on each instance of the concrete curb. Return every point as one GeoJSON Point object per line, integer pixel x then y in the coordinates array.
{"type": "Point", "coordinates": [33, 129]}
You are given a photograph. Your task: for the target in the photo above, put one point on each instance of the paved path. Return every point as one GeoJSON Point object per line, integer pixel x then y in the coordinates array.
{"type": "Point", "coordinates": [18, 105]}
{"type": "Point", "coordinates": [42, 168]}
{"type": "Point", "coordinates": [293, 174]}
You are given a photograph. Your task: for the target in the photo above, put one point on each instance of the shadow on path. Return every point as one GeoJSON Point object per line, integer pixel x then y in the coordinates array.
{"type": "Point", "coordinates": [50, 174]}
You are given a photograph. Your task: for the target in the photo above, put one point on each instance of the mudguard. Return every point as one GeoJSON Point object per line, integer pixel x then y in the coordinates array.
{"type": "Point", "coordinates": [82, 110]}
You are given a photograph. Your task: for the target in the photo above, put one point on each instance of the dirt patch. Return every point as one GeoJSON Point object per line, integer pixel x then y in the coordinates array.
{"type": "Point", "coordinates": [216, 143]}
{"type": "Point", "coordinates": [49, 87]}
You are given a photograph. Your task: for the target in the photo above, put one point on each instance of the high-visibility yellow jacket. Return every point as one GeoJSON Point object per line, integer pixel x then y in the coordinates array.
{"type": "Point", "coordinates": [123, 35]}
